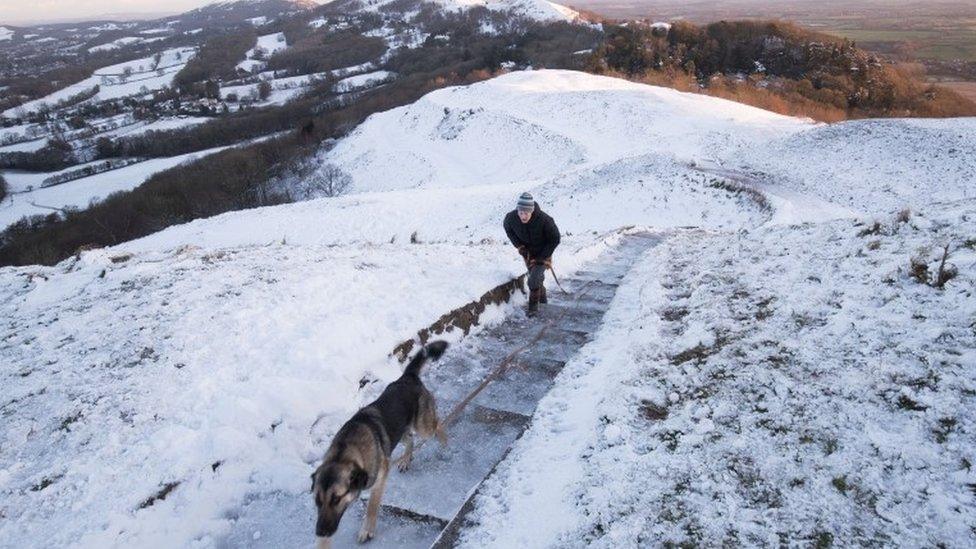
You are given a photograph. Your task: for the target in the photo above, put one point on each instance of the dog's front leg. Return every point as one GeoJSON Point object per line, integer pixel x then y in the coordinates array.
{"type": "Point", "coordinates": [403, 463]}
{"type": "Point", "coordinates": [368, 530]}
{"type": "Point", "coordinates": [324, 543]}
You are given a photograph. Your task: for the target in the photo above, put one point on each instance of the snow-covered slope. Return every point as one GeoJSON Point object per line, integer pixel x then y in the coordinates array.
{"type": "Point", "coordinates": [788, 386]}
{"type": "Point", "coordinates": [213, 360]}
{"type": "Point", "coordinates": [539, 10]}
{"type": "Point", "coordinates": [266, 46]}
{"type": "Point", "coordinates": [28, 197]}
{"type": "Point", "coordinates": [136, 77]}
{"type": "Point", "coordinates": [874, 164]}
{"type": "Point", "coordinates": [527, 125]}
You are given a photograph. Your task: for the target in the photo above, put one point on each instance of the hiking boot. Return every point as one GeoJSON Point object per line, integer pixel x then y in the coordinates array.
{"type": "Point", "coordinates": [533, 303]}
{"type": "Point", "coordinates": [542, 295]}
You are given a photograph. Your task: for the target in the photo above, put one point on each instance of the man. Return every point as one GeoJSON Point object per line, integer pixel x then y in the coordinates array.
{"type": "Point", "coordinates": [536, 236]}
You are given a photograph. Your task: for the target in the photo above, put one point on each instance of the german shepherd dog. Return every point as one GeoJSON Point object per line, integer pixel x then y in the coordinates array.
{"type": "Point", "coordinates": [359, 457]}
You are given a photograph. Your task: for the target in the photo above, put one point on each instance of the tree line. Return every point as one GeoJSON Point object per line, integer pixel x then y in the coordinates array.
{"type": "Point", "coordinates": [776, 65]}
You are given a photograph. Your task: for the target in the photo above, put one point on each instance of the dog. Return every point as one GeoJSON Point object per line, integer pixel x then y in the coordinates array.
{"type": "Point", "coordinates": [359, 457]}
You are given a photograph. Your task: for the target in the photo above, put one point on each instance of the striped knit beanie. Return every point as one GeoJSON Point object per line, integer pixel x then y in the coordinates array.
{"type": "Point", "coordinates": [526, 203]}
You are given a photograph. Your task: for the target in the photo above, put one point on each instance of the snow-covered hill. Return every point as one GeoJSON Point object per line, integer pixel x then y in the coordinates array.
{"type": "Point", "coordinates": [212, 361]}
{"type": "Point", "coordinates": [538, 10]}
{"type": "Point", "coordinates": [787, 386]}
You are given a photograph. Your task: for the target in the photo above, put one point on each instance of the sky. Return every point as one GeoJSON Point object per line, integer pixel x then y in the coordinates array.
{"type": "Point", "coordinates": [25, 12]}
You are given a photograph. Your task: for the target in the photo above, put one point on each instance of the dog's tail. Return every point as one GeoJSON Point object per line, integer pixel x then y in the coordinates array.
{"type": "Point", "coordinates": [432, 351]}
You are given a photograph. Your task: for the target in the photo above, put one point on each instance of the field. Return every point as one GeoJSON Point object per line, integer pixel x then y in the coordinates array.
{"type": "Point", "coordinates": [907, 29]}
{"type": "Point", "coordinates": [965, 89]}
{"type": "Point", "coordinates": [944, 44]}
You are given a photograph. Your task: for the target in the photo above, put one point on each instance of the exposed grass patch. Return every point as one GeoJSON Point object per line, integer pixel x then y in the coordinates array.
{"type": "Point", "coordinates": [160, 495]}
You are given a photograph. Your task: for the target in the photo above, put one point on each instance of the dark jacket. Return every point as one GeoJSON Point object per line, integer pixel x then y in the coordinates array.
{"type": "Point", "coordinates": [540, 235]}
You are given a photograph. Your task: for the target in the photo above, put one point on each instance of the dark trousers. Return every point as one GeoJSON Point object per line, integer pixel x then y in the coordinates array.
{"type": "Point", "coordinates": [537, 276]}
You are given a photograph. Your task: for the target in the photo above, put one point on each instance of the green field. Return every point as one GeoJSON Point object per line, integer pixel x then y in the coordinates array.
{"type": "Point", "coordinates": [946, 44]}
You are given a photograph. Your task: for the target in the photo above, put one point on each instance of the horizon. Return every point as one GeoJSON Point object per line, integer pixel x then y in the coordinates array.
{"type": "Point", "coordinates": [79, 11]}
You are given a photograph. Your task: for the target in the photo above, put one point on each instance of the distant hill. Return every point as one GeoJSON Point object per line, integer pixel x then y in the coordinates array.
{"type": "Point", "coordinates": [775, 65]}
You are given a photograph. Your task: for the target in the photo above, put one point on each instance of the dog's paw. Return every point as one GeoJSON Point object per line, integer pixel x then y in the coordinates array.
{"type": "Point", "coordinates": [441, 435]}
{"type": "Point", "coordinates": [403, 464]}
{"type": "Point", "coordinates": [365, 534]}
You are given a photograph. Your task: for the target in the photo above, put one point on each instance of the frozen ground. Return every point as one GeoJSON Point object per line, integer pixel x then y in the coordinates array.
{"type": "Point", "coordinates": [211, 366]}
{"type": "Point", "coordinates": [360, 81]}
{"type": "Point", "coordinates": [116, 44]}
{"type": "Point", "coordinates": [203, 368]}
{"type": "Point", "coordinates": [789, 385]}
{"type": "Point", "coordinates": [266, 46]}
{"type": "Point", "coordinates": [80, 192]}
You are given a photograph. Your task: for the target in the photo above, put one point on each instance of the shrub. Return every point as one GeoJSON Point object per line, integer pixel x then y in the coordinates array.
{"type": "Point", "coordinates": [329, 180]}
{"type": "Point", "coordinates": [776, 66]}
{"type": "Point", "coordinates": [264, 90]}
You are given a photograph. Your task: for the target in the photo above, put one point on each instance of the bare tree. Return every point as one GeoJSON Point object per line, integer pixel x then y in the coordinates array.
{"type": "Point", "coordinates": [329, 180]}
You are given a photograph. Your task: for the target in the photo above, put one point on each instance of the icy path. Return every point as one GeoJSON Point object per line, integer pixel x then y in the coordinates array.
{"type": "Point", "coordinates": [428, 504]}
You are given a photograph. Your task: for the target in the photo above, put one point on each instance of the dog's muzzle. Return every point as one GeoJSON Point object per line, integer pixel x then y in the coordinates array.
{"type": "Point", "coordinates": [326, 526]}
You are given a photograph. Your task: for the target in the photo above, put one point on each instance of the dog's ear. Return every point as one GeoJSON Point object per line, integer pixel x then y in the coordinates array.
{"type": "Point", "coordinates": [358, 479]}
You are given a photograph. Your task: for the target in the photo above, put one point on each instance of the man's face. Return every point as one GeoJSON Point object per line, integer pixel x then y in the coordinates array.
{"type": "Point", "coordinates": [525, 215]}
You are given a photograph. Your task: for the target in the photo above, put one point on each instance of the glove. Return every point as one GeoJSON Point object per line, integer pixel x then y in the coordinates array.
{"type": "Point", "coordinates": [545, 262]}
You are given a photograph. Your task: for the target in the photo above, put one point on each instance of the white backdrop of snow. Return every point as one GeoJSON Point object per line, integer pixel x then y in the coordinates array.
{"type": "Point", "coordinates": [284, 309]}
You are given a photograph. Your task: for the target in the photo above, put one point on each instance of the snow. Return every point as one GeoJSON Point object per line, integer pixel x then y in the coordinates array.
{"type": "Point", "coordinates": [17, 132]}
{"type": "Point", "coordinates": [258, 21]}
{"type": "Point", "coordinates": [361, 81]}
{"type": "Point", "coordinates": [189, 398]}
{"type": "Point", "coordinates": [163, 124]}
{"type": "Point", "coordinates": [748, 368]}
{"type": "Point", "coordinates": [104, 27]}
{"type": "Point", "coordinates": [900, 162]}
{"type": "Point", "coordinates": [287, 84]}
{"type": "Point", "coordinates": [563, 121]}
{"type": "Point", "coordinates": [26, 146]}
{"type": "Point", "coordinates": [269, 44]}
{"type": "Point", "coordinates": [116, 44]}
{"type": "Point", "coordinates": [801, 420]}
{"type": "Point", "coordinates": [113, 84]}
{"type": "Point", "coordinates": [6, 34]}
{"type": "Point", "coordinates": [288, 88]}
{"type": "Point", "coordinates": [80, 192]}
{"type": "Point", "coordinates": [540, 10]}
